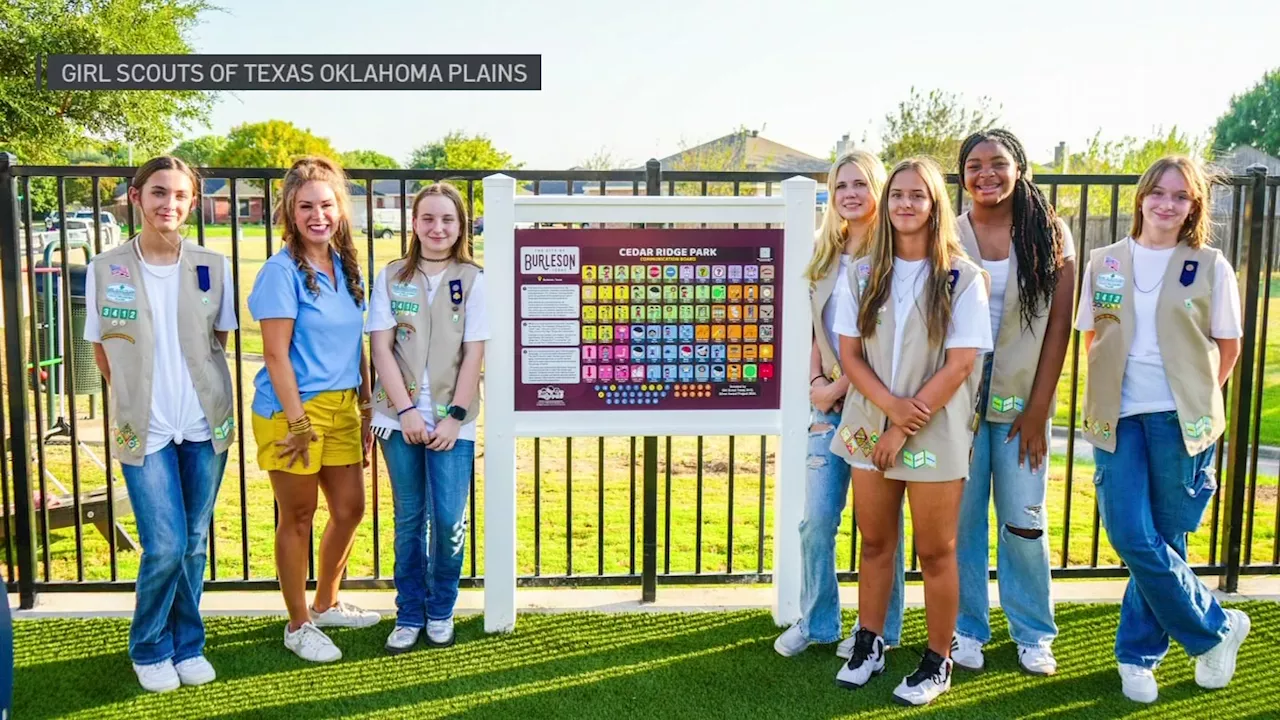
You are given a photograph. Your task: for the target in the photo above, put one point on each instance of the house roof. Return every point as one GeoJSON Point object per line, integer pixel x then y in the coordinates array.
{"type": "Point", "coordinates": [219, 187]}
{"type": "Point", "coordinates": [1238, 159]}
{"type": "Point", "coordinates": [748, 151]}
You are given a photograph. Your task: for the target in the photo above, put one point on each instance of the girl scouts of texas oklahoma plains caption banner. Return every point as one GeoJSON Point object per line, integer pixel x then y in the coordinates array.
{"type": "Point", "coordinates": [648, 319]}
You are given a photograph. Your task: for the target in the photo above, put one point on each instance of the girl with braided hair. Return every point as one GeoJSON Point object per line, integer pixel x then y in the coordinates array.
{"type": "Point", "coordinates": [1013, 232]}
{"type": "Point", "coordinates": [310, 299]}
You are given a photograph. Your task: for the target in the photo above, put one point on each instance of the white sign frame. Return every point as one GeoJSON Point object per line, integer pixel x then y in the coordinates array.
{"type": "Point", "coordinates": [793, 209]}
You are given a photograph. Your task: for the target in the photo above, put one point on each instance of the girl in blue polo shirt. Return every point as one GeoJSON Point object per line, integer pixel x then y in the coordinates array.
{"type": "Point", "coordinates": [310, 300]}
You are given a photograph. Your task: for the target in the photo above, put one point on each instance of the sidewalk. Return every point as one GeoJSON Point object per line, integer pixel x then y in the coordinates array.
{"type": "Point", "coordinates": [544, 600]}
{"type": "Point", "coordinates": [1268, 455]}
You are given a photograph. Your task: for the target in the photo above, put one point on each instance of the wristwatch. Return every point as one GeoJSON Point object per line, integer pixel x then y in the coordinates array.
{"type": "Point", "coordinates": [455, 412]}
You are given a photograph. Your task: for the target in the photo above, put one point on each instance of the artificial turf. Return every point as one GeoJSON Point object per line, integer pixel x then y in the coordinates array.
{"type": "Point", "coordinates": [711, 664]}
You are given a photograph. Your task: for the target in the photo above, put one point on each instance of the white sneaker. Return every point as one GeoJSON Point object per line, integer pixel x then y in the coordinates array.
{"type": "Point", "coordinates": [344, 615]}
{"type": "Point", "coordinates": [195, 671]}
{"type": "Point", "coordinates": [402, 639]}
{"type": "Point", "coordinates": [1215, 668]}
{"type": "Point", "coordinates": [440, 633]}
{"type": "Point", "coordinates": [1138, 683]}
{"type": "Point", "coordinates": [845, 649]}
{"type": "Point", "coordinates": [1037, 660]}
{"type": "Point", "coordinates": [310, 643]}
{"type": "Point", "coordinates": [967, 653]}
{"type": "Point", "coordinates": [792, 642]}
{"type": "Point", "coordinates": [866, 660]}
{"type": "Point", "coordinates": [157, 677]}
{"type": "Point", "coordinates": [931, 679]}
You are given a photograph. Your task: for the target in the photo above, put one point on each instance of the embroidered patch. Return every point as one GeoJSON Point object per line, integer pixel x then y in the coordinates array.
{"type": "Point", "coordinates": [118, 336]}
{"type": "Point", "coordinates": [836, 372]}
{"type": "Point", "coordinates": [847, 437]}
{"type": "Point", "coordinates": [381, 395]}
{"type": "Point", "coordinates": [1111, 281]}
{"type": "Point", "coordinates": [121, 293]}
{"type": "Point", "coordinates": [1103, 317]}
{"type": "Point", "coordinates": [399, 307]}
{"type": "Point", "coordinates": [404, 330]}
{"type": "Point", "coordinates": [920, 459]}
{"type": "Point", "coordinates": [404, 290]}
{"type": "Point", "coordinates": [1111, 263]}
{"type": "Point", "coordinates": [1005, 404]}
{"type": "Point", "coordinates": [202, 278]}
{"type": "Point", "coordinates": [1107, 301]}
{"type": "Point", "coordinates": [127, 438]}
{"type": "Point", "coordinates": [455, 292]}
{"type": "Point", "coordinates": [120, 271]}
{"type": "Point", "coordinates": [1199, 428]}
{"type": "Point", "coordinates": [121, 313]}
{"type": "Point", "coordinates": [1189, 272]}
{"type": "Point", "coordinates": [441, 411]}
{"type": "Point", "coordinates": [223, 431]}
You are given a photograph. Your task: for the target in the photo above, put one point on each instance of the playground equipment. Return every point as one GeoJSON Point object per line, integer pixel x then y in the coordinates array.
{"type": "Point", "coordinates": [59, 369]}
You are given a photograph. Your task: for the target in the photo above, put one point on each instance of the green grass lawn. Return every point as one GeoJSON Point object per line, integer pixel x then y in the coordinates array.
{"type": "Point", "coordinates": [719, 664]}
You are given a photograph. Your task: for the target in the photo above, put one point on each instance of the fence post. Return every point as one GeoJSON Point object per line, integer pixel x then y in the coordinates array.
{"type": "Point", "coordinates": [649, 567]}
{"type": "Point", "coordinates": [1237, 445]}
{"type": "Point", "coordinates": [19, 441]}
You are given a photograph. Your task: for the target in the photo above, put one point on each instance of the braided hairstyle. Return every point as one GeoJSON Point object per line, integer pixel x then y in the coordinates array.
{"type": "Point", "coordinates": [1037, 232]}
{"type": "Point", "coordinates": [318, 169]}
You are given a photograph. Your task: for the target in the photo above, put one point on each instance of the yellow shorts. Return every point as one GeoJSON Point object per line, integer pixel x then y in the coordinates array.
{"type": "Point", "coordinates": [335, 418]}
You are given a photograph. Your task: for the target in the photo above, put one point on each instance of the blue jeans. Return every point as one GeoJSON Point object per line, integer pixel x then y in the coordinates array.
{"type": "Point", "coordinates": [1023, 563]}
{"type": "Point", "coordinates": [172, 494]}
{"type": "Point", "coordinates": [430, 489]}
{"type": "Point", "coordinates": [826, 489]}
{"type": "Point", "coordinates": [1150, 495]}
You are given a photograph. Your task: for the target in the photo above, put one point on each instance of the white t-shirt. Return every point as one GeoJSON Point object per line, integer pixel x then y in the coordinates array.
{"type": "Point", "coordinates": [176, 415]}
{"type": "Point", "coordinates": [999, 272]}
{"type": "Point", "coordinates": [1145, 388]}
{"type": "Point", "coordinates": [475, 328]}
{"type": "Point", "coordinates": [829, 310]}
{"type": "Point", "coordinates": [969, 320]}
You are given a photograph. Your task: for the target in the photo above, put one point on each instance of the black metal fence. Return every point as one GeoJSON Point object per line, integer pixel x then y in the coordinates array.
{"type": "Point", "coordinates": [711, 496]}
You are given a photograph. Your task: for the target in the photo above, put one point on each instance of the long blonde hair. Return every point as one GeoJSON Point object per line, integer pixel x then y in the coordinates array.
{"type": "Point", "coordinates": [944, 244]}
{"type": "Point", "coordinates": [1197, 229]}
{"type": "Point", "coordinates": [461, 250]}
{"type": "Point", "coordinates": [319, 169]}
{"type": "Point", "coordinates": [833, 234]}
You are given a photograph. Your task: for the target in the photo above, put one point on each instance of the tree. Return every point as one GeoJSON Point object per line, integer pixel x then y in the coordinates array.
{"type": "Point", "coordinates": [274, 143]}
{"type": "Point", "coordinates": [1127, 156]}
{"type": "Point", "coordinates": [602, 159]}
{"type": "Point", "coordinates": [201, 151]}
{"type": "Point", "coordinates": [726, 154]}
{"type": "Point", "coordinates": [1253, 118]}
{"type": "Point", "coordinates": [933, 125]}
{"type": "Point", "coordinates": [458, 151]}
{"type": "Point", "coordinates": [40, 125]}
{"type": "Point", "coordinates": [368, 159]}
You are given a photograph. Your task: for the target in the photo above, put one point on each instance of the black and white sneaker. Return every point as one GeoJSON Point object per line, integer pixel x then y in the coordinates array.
{"type": "Point", "coordinates": [866, 661]}
{"type": "Point", "coordinates": [931, 679]}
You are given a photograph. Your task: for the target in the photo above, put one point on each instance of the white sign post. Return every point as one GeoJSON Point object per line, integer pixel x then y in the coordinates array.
{"type": "Point", "coordinates": [794, 211]}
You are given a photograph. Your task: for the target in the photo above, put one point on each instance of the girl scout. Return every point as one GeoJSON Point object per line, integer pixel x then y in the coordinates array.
{"type": "Point", "coordinates": [158, 312]}
{"type": "Point", "coordinates": [1161, 301]}
{"type": "Point", "coordinates": [913, 319]}
{"type": "Point", "coordinates": [428, 326]}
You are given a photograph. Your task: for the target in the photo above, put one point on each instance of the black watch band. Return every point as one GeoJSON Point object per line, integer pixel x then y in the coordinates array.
{"type": "Point", "coordinates": [456, 412]}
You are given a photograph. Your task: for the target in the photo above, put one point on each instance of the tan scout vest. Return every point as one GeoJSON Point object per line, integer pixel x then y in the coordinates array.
{"type": "Point", "coordinates": [429, 335]}
{"type": "Point", "coordinates": [1182, 331]}
{"type": "Point", "coordinates": [129, 342]}
{"type": "Point", "coordinates": [1017, 353]}
{"type": "Point", "coordinates": [941, 450]}
{"type": "Point", "coordinates": [819, 296]}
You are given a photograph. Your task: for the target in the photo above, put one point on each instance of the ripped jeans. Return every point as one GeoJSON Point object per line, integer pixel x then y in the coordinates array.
{"type": "Point", "coordinates": [430, 490]}
{"type": "Point", "coordinates": [826, 490]}
{"type": "Point", "coordinates": [1022, 562]}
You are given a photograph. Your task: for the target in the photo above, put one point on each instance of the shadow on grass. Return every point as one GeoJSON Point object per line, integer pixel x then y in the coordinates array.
{"type": "Point", "coordinates": [597, 665]}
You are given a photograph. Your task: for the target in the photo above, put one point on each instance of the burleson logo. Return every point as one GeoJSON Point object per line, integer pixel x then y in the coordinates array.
{"type": "Point", "coordinates": [551, 396]}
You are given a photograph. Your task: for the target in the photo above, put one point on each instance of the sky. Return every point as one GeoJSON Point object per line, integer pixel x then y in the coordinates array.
{"type": "Point", "coordinates": [641, 80]}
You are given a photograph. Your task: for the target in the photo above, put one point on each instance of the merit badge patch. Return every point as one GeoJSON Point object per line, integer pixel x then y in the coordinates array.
{"type": "Point", "coordinates": [121, 293]}
{"type": "Point", "coordinates": [1189, 272]}
{"type": "Point", "coordinates": [1103, 317]}
{"type": "Point", "coordinates": [920, 459]}
{"type": "Point", "coordinates": [127, 438]}
{"type": "Point", "coordinates": [223, 431]}
{"type": "Point", "coordinates": [120, 271]}
{"type": "Point", "coordinates": [1005, 404]}
{"type": "Point", "coordinates": [1111, 263]}
{"type": "Point", "coordinates": [847, 437]}
{"type": "Point", "coordinates": [404, 290]}
{"type": "Point", "coordinates": [118, 336]}
{"type": "Point", "coordinates": [1199, 428]}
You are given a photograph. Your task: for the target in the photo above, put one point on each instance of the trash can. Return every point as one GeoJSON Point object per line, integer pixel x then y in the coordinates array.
{"type": "Point", "coordinates": [83, 368]}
